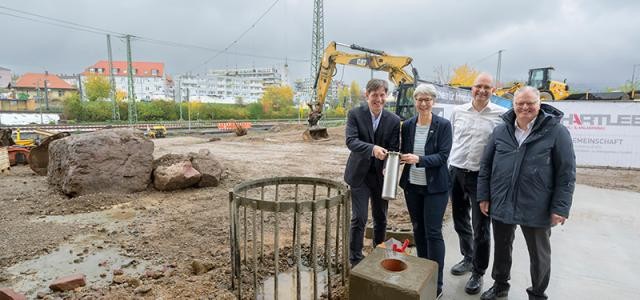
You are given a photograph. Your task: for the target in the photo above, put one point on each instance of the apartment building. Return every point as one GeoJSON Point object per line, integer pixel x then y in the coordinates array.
{"type": "Point", "coordinates": [228, 85]}
{"type": "Point", "coordinates": [303, 88]}
{"type": "Point", "coordinates": [149, 78]}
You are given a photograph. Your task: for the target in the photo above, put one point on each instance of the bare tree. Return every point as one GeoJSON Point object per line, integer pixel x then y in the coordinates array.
{"type": "Point", "coordinates": [442, 74]}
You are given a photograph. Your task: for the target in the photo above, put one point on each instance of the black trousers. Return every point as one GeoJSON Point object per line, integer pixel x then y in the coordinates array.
{"type": "Point", "coordinates": [539, 248]}
{"type": "Point", "coordinates": [360, 195]}
{"type": "Point", "coordinates": [426, 212]}
{"type": "Point", "coordinates": [474, 233]}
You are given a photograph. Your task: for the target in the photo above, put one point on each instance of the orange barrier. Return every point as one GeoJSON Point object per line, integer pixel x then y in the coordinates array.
{"type": "Point", "coordinates": [230, 126]}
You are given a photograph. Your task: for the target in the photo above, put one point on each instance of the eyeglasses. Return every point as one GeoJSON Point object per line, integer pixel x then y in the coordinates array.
{"type": "Point", "coordinates": [482, 87]}
{"type": "Point", "coordinates": [424, 100]}
{"type": "Point", "coordinates": [522, 104]}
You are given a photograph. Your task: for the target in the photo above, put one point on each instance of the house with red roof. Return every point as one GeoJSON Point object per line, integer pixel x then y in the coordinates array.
{"type": "Point", "coordinates": [29, 85]}
{"type": "Point", "coordinates": [149, 78]}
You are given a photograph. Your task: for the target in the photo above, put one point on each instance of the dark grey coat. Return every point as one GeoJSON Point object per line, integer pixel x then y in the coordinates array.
{"type": "Point", "coordinates": [526, 183]}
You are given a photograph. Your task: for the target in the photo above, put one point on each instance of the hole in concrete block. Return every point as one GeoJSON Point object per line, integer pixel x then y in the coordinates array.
{"type": "Point", "coordinates": [393, 265]}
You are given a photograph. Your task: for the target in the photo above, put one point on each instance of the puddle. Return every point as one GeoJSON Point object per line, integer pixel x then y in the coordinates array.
{"type": "Point", "coordinates": [35, 275]}
{"type": "Point", "coordinates": [110, 219]}
{"type": "Point", "coordinates": [86, 254]}
{"type": "Point", "coordinates": [287, 285]}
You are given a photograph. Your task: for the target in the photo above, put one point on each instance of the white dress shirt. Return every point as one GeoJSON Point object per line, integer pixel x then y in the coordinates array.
{"type": "Point", "coordinates": [471, 130]}
{"type": "Point", "coordinates": [521, 134]}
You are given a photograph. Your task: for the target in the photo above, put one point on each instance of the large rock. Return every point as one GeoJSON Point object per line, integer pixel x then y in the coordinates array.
{"type": "Point", "coordinates": [178, 171]}
{"type": "Point", "coordinates": [210, 168]}
{"type": "Point", "coordinates": [173, 172]}
{"type": "Point", "coordinates": [110, 160]}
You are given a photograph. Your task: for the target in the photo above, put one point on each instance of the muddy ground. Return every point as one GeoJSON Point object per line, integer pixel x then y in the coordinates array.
{"type": "Point", "coordinates": [154, 237]}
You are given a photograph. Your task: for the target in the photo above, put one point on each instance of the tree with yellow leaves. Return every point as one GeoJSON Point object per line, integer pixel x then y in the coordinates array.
{"type": "Point", "coordinates": [97, 87]}
{"type": "Point", "coordinates": [354, 89]}
{"type": "Point", "coordinates": [121, 95]}
{"type": "Point", "coordinates": [463, 76]}
{"type": "Point", "coordinates": [277, 98]}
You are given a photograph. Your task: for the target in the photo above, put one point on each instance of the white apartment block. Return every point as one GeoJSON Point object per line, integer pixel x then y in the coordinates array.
{"type": "Point", "coordinates": [228, 85]}
{"type": "Point", "coordinates": [303, 88]}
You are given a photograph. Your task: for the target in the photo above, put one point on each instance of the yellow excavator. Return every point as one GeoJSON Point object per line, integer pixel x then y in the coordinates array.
{"type": "Point", "coordinates": [540, 78]}
{"type": "Point", "coordinates": [370, 59]}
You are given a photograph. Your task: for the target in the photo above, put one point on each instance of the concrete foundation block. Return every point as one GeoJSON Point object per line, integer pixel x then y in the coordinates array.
{"type": "Point", "coordinates": [387, 275]}
{"type": "Point", "coordinates": [397, 234]}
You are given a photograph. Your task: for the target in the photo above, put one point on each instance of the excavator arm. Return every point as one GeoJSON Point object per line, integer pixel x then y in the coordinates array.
{"type": "Point", "coordinates": [370, 59]}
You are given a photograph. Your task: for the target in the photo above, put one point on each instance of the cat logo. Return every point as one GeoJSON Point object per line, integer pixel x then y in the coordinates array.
{"type": "Point", "coordinates": [363, 62]}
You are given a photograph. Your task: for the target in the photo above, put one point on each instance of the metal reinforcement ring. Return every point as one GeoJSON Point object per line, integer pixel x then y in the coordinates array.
{"type": "Point", "coordinates": [270, 203]}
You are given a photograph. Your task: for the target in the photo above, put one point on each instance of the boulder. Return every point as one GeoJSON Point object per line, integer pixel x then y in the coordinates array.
{"type": "Point", "coordinates": [210, 168]}
{"type": "Point", "coordinates": [173, 172]}
{"type": "Point", "coordinates": [178, 171]}
{"type": "Point", "coordinates": [109, 160]}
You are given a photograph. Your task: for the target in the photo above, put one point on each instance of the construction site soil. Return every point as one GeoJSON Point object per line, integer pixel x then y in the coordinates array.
{"type": "Point", "coordinates": [154, 238]}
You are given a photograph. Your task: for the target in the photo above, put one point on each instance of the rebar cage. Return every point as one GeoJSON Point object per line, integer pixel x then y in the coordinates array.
{"type": "Point", "coordinates": [269, 204]}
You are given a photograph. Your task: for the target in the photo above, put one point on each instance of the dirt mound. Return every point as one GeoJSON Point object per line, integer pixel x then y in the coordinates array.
{"type": "Point", "coordinates": [288, 127]}
{"type": "Point", "coordinates": [293, 133]}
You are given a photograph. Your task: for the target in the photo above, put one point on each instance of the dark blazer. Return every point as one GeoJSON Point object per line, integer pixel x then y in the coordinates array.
{"type": "Point", "coordinates": [437, 150]}
{"type": "Point", "coordinates": [360, 139]}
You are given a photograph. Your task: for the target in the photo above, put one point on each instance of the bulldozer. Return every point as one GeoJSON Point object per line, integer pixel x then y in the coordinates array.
{"type": "Point", "coordinates": [370, 58]}
{"type": "Point", "coordinates": [34, 152]}
{"type": "Point", "coordinates": [540, 78]}
{"type": "Point", "coordinates": [23, 142]}
{"type": "Point", "coordinates": [156, 131]}
{"type": "Point", "coordinates": [39, 155]}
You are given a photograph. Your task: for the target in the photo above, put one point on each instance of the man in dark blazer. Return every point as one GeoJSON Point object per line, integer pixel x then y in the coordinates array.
{"type": "Point", "coordinates": [370, 133]}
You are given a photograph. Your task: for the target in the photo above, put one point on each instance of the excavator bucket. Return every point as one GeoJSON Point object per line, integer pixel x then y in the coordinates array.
{"type": "Point", "coordinates": [5, 138]}
{"type": "Point", "coordinates": [315, 134]}
{"type": "Point", "coordinates": [39, 155]}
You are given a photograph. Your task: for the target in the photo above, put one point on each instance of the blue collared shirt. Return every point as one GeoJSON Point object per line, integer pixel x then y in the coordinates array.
{"type": "Point", "coordinates": [375, 120]}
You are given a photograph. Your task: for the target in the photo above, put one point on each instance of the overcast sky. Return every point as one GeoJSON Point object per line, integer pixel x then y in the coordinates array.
{"type": "Point", "coordinates": [590, 43]}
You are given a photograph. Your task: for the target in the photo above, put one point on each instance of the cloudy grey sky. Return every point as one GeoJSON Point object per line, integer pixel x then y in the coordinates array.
{"type": "Point", "coordinates": [590, 43]}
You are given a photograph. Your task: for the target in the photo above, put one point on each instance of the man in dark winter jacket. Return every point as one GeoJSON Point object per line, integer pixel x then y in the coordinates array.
{"type": "Point", "coordinates": [527, 177]}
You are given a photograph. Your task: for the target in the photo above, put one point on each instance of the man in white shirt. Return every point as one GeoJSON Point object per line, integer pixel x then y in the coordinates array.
{"type": "Point", "coordinates": [472, 124]}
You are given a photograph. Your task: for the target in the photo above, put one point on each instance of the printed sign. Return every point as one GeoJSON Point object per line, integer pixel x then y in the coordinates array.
{"type": "Point", "coordinates": [604, 133]}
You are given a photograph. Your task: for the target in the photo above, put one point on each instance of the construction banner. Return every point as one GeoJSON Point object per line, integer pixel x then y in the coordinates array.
{"type": "Point", "coordinates": [604, 133]}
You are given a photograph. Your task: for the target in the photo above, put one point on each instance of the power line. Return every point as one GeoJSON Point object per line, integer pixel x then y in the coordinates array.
{"type": "Point", "coordinates": [100, 31]}
{"type": "Point", "coordinates": [86, 27]}
{"type": "Point", "coordinates": [183, 45]}
{"type": "Point", "coordinates": [238, 38]}
{"type": "Point", "coordinates": [484, 58]}
{"type": "Point", "coordinates": [54, 24]}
